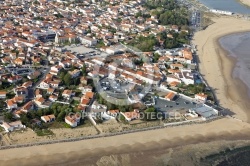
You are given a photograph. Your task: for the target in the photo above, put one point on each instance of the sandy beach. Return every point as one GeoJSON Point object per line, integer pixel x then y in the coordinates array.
{"type": "Point", "coordinates": [216, 66]}
{"type": "Point", "coordinates": [131, 148]}
{"type": "Point", "coordinates": [245, 2]}
{"type": "Point", "coordinates": [90, 151]}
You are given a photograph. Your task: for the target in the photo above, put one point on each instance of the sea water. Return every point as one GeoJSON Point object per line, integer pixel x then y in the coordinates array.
{"type": "Point", "coordinates": [238, 46]}
{"type": "Point", "coordinates": [226, 5]}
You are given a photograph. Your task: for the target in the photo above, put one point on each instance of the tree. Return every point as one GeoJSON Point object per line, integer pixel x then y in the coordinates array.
{"type": "Point", "coordinates": [84, 71]}
{"type": "Point", "coordinates": [9, 117]}
{"type": "Point", "coordinates": [61, 116]}
{"type": "Point", "coordinates": [67, 79]}
{"type": "Point", "coordinates": [40, 112]}
{"type": "Point", "coordinates": [24, 119]}
{"type": "Point", "coordinates": [62, 73]}
{"type": "Point", "coordinates": [150, 114]}
{"type": "Point", "coordinates": [156, 57]}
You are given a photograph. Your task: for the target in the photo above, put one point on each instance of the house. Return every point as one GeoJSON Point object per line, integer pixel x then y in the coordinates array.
{"type": "Point", "coordinates": [27, 84]}
{"type": "Point", "coordinates": [89, 95]}
{"type": "Point", "coordinates": [27, 107]}
{"type": "Point", "coordinates": [50, 90]}
{"type": "Point", "coordinates": [38, 93]}
{"type": "Point", "coordinates": [201, 97]}
{"type": "Point", "coordinates": [55, 69]}
{"type": "Point", "coordinates": [186, 76]}
{"type": "Point", "coordinates": [14, 79]}
{"type": "Point", "coordinates": [18, 61]}
{"type": "Point", "coordinates": [73, 120]}
{"type": "Point", "coordinates": [84, 80]}
{"type": "Point", "coordinates": [34, 75]}
{"type": "Point", "coordinates": [75, 73]}
{"type": "Point", "coordinates": [67, 93]}
{"type": "Point", "coordinates": [48, 118]}
{"type": "Point", "coordinates": [35, 121]}
{"type": "Point", "coordinates": [11, 104]}
{"type": "Point", "coordinates": [113, 113]}
{"type": "Point", "coordinates": [3, 94]}
{"type": "Point", "coordinates": [21, 91]}
{"type": "Point", "coordinates": [88, 41]}
{"type": "Point", "coordinates": [170, 96]}
{"type": "Point", "coordinates": [176, 66]}
{"type": "Point", "coordinates": [53, 98]}
{"type": "Point", "coordinates": [129, 116]}
{"type": "Point", "coordinates": [44, 84]}
{"type": "Point", "coordinates": [84, 101]}
{"type": "Point", "coordinates": [39, 101]}
{"type": "Point", "coordinates": [86, 89]}
{"type": "Point", "coordinates": [9, 127]}
{"type": "Point", "coordinates": [113, 74]}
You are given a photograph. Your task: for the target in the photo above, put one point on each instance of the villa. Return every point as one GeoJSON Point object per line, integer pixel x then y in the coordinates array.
{"type": "Point", "coordinates": [48, 118]}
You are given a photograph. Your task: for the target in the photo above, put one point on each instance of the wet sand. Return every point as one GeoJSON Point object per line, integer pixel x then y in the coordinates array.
{"type": "Point", "coordinates": [217, 67]}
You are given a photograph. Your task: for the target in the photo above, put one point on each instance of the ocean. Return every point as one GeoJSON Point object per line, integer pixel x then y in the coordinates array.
{"type": "Point", "coordinates": [238, 46]}
{"type": "Point", "coordinates": [227, 5]}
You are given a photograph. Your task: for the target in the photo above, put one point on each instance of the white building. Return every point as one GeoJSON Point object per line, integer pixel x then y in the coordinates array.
{"type": "Point", "coordinates": [9, 127]}
{"type": "Point", "coordinates": [73, 120]}
{"type": "Point", "coordinates": [88, 41]}
{"type": "Point", "coordinates": [48, 118]}
{"type": "Point", "coordinates": [3, 94]}
{"type": "Point", "coordinates": [201, 97]}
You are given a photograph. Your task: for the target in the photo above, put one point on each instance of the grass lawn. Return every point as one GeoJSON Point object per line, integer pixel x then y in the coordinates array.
{"type": "Point", "coordinates": [43, 132]}
{"type": "Point", "coordinates": [1, 129]}
{"type": "Point", "coordinates": [57, 125]}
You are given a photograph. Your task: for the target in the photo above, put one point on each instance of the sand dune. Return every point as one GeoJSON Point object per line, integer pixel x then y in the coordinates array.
{"type": "Point", "coordinates": [217, 71]}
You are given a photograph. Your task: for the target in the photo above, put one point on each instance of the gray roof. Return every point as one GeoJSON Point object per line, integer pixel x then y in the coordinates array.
{"type": "Point", "coordinates": [205, 111]}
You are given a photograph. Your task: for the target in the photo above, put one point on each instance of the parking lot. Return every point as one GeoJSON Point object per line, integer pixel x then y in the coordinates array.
{"type": "Point", "coordinates": [22, 71]}
{"type": "Point", "coordinates": [85, 52]}
{"type": "Point", "coordinates": [196, 20]}
{"type": "Point", "coordinates": [180, 103]}
{"type": "Point", "coordinates": [112, 88]}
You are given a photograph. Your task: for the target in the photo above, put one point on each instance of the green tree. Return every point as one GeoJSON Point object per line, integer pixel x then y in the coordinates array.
{"type": "Point", "coordinates": [67, 79]}
{"type": "Point", "coordinates": [84, 70]}
{"type": "Point", "coordinates": [24, 119]}
{"type": "Point", "coordinates": [61, 116]}
{"type": "Point", "coordinates": [9, 117]}
{"type": "Point", "coordinates": [150, 114]}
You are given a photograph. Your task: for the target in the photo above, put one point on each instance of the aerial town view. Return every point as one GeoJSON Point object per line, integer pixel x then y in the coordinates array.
{"type": "Point", "coordinates": [124, 82]}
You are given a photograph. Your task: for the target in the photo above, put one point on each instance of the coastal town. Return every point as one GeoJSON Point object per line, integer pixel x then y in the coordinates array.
{"type": "Point", "coordinates": [93, 63]}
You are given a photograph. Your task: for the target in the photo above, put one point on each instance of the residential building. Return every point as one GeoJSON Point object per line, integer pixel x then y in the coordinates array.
{"type": "Point", "coordinates": [48, 118]}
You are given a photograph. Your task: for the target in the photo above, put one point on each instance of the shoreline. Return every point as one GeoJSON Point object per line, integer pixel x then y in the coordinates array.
{"type": "Point", "coordinates": [216, 66]}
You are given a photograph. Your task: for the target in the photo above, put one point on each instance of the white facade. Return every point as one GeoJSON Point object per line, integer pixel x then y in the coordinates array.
{"type": "Point", "coordinates": [88, 41]}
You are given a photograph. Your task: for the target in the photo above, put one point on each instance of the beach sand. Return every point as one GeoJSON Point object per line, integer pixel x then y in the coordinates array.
{"type": "Point", "coordinates": [90, 151]}
{"type": "Point", "coordinates": [245, 2]}
{"type": "Point", "coordinates": [143, 148]}
{"type": "Point", "coordinates": [216, 66]}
